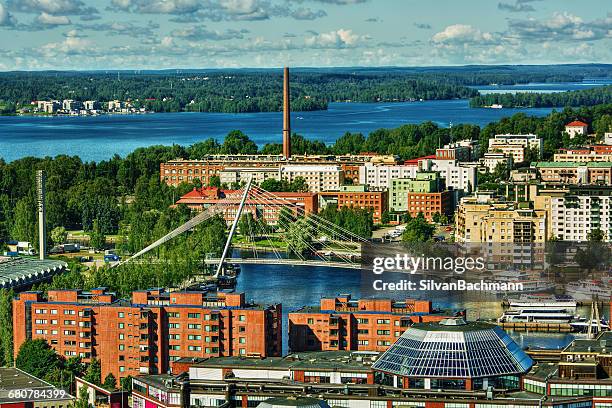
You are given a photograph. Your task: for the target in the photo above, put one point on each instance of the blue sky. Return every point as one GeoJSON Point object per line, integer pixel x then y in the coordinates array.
{"type": "Point", "coordinates": [152, 34]}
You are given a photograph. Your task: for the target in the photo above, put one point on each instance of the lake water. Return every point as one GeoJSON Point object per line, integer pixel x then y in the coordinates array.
{"type": "Point", "coordinates": [100, 137]}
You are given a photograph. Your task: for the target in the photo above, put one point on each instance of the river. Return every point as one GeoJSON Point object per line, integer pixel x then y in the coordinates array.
{"type": "Point", "coordinates": [298, 286]}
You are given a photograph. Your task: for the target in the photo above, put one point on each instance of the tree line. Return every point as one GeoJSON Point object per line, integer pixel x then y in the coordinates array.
{"type": "Point", "coordinates": [237, 92]}
{"type": "Point", "coordinates": [584, 97]}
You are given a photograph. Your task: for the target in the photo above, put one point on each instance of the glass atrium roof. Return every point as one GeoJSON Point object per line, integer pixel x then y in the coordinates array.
{"type": "Point", "coordinates": [457, 350]}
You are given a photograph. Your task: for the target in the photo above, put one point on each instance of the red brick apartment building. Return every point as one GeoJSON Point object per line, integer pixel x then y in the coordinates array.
{"type": "Point", "coordinates": [377, 201]}
{"type": "Point", "coordinates": [175, 172]}
{"type": "Point", "coordinates": [145, 334]}
{"type": "Point", "coordinates": [260, 206]}
{"type": "Point", "coordinates": [342, 323]}
{"type": "Point", "coordinates": [430, 203]}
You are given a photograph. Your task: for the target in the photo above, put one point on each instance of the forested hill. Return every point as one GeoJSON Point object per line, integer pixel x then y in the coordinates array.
{"type": "Point", "coordinates": [260, 90]}
{"type": "Point", "coordinates": [221, 91]}
{"type": "Point", "coordinates": [585, 97]}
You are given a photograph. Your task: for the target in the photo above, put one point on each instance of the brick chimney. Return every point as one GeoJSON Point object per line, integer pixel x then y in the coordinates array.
{"type": "Point", "coordinates": [286, 115]}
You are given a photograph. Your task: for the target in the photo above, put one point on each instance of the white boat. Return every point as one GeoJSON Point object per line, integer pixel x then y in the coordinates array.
{"type": "Point", "coordinates": [582, 325]}
{"type": "Point", "coordinates": [530, 284]}
{"type": "Point", "coordinates": [536, 315]}
{"type": "Point", "coordinates": [542, 301]}
{"type": "Point", "coordinates": [588, 289]}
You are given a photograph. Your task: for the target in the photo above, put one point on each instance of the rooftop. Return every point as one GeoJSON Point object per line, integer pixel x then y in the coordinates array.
{"type": "Point", "coordinates": [576, 123]}
{"type": "Point", "coordinates": [15, 272]}
{"type": "Point", "coordinates": [317, 360]}
{"type": "Point", "coordinates": [15, 379]}
{"type": "Point", "coordinates": [571, 164]}
{"type": "Point", "coordinates": [602, 344]}
{"type": "Point", "coordinates": [454, 348]}
{"type": "Point", "coordinates": [305, 402]}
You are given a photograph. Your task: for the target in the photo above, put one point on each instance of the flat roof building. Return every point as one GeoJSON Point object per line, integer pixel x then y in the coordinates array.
{"type": "Point", "coordinates": [342, 323]}
{"type": "Point", "coordinates": [144, 334]}
{"type": "Point", "coordinates": [19, 389]}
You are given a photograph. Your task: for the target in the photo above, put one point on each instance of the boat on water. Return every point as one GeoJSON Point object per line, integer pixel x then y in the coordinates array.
{"type": "Point", "coordinates": [538, 315]}
{"type": "Point", "coordinates": [588, 290]}
{"type": "Point", "coordinates": [529, 283]}
{"type": "Point", "coordinates": [543, 301]}
{"type": "Point", "coordinates": [582, 326]}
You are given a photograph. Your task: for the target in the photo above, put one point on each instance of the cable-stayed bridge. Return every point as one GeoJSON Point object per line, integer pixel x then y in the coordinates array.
{"type": "Point", "coordinates": [320, 239]}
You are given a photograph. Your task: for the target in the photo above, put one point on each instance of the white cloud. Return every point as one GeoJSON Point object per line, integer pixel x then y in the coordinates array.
{"type": "Point", "coordinates": [56, 7]}
{"type": "Point", "coordinates": [560, 27]}
{"type": "Point", "coordinates": [70, 46]}
{"type": "Point", "coordinates": [307, 14]}
{"type": "Point", "coordinates": [198, 33]}
{"type": "Point", "coordinates": [47, 19]}
{"type": "Point", "coordinates": [334, 39]}
{"type": "Point", "coordinates": [462, 33]}
{"type": "Point", "coordinates": [6, 18]}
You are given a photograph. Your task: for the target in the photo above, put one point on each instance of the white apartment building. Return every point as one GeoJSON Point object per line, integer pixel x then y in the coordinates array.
{"type": "Point", "coordinates": [71, 105]}
{"type": "Point", "coordinates": [573, 217]}
{"type": "Point", "coordinates": [48, 106]}
{"type": "Point", "coordinates": [317, 177]}
{"type": "Point", "coordinates": [379, 176]}
{"type": "Point", "coordinates": [515, 145]}
{"type": "Point", "coordinates": [492, 160]}
{"type": "Point", "coordinates": [231, 175]}
{"type": "Point", "coordinates": [459, 176]}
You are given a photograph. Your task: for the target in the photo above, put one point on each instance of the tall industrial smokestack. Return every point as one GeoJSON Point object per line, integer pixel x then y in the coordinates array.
{"type": "Point", "coordinates": [286, 115]}
{"type": "Point", "coordinates": [42, 225]}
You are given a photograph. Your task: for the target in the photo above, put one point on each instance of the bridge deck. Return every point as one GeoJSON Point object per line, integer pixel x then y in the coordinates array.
{"type": "Point", "coordinates": [291, 262]}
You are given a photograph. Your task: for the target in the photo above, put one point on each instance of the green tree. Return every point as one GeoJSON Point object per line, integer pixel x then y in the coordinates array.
{"type": "Point", "coordinates": [93, 374]}
{"type": "Point", "coordinates": [298, 185]}
{"type": "Point", "coordinates": [299, 236]}
{"type": "Point", "coordinates": [237, 142]}
{"type": "Point", "coordinates": [435, 217]}
{"type": "Point", "coordinates": [24, 220]}
{"type": "Point", "coordinates": [385, 217]}
{"type": "Point", "coordinates": [59, 235]}
{"type": "Point", "coordinates": [37, 358]}
{"type": "Point", "coordinates": [126, 383]}
{"type": "Point", "coordinates": [97, 239]}
{"type": "Point", "coordinates": [6, 327]}
{"type": "Point", "coordinates": [418, 230]}
{"type": "Point", "coordinates": [110, 382]}
{"type": "Point", "coordinates": [596, 235]}
{"type": "Point", "coordinates": [214, 181]}
{"type": "Point", "coordinates": [83, 400]}
{"type": "Point", "coordinates": [247, 226]}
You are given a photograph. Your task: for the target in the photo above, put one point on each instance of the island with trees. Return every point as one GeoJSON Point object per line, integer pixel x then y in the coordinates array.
{"type": "Point", "coordinates": [585, 97]}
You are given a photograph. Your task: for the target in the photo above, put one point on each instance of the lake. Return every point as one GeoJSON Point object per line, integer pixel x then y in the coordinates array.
{"type": "Point", "coordinates": [100, 137]}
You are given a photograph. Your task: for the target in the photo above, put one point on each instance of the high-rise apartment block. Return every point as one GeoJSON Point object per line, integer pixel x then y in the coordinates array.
{"type": "Point", "coordinates": [145, 334]}
{"type": "Point", "coordinates": [342, 323]}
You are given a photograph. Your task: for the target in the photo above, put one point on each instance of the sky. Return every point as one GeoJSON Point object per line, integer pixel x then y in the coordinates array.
{"type": "Point", "coordinates": [156, 34]}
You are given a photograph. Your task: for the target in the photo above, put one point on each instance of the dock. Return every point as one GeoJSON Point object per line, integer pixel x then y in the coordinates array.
{"type": "Point", "coordinates": [537, 327]}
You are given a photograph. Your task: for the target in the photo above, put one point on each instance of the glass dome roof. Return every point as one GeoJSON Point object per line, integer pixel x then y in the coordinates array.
{"type": "Point", "coordinates": [459, 350]}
